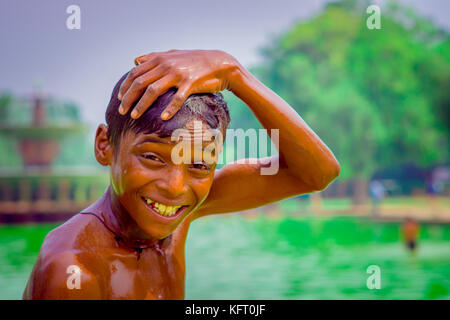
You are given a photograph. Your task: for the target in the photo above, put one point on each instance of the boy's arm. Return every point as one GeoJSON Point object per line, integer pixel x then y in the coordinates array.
{"type": "Point", "coordinates": [240, 186]}
{"type": "Point", "coordinates": [306, 164]}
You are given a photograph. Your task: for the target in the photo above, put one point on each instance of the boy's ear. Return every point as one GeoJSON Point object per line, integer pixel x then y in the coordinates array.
{"type": "Point", "coordinates": [103, 149]}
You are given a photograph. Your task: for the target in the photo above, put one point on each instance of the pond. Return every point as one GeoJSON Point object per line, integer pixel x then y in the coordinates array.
{"type": "Point", "coordinates": [302, 257]}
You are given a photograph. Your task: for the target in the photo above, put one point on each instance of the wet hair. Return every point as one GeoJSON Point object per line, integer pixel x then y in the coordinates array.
{"type": "Point", "coordinates": [207, 107]}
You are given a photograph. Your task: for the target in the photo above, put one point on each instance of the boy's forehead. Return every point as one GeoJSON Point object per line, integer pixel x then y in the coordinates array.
{"type": "Point", "coordinates": [194, 130]}
{"type": "Point", "coordinates": [198, 132]}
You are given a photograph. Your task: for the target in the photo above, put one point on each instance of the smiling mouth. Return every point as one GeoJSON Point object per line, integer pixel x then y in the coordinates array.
{"type": "Point", "coordinates": [162, 209]}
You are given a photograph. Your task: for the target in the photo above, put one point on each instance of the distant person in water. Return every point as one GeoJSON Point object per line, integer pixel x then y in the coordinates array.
{"type": "Point", "coordinates": [377, 193]}
{"type": "Point", "coordinates": [410, 233]}
{"type": "Point", "coordinates": [130, 243]}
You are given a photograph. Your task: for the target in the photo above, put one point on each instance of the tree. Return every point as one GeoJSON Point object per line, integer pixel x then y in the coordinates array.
{"type": "Point", "coordinates": [376, 97]}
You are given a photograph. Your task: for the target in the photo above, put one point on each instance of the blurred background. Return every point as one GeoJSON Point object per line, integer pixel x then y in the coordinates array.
{"type": "Point", "coordinates": [379, 98]}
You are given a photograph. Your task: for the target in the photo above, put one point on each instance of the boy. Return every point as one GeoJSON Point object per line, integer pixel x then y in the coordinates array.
{"type": "Point", "coordinates": [129, 244]}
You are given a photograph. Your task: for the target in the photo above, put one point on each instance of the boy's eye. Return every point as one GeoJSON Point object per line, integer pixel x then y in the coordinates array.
{"type": "Point", "coordinates": [150, 156]}
{"type": "Point", "coordinates": [200, 166]}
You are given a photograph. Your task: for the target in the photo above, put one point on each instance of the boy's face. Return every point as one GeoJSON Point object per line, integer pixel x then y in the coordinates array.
{"type": "Point", "coordinates": [153, 186]}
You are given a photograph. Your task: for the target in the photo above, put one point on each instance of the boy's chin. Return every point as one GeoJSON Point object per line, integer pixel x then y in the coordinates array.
{"type": "Point", "coordinates": [161, 233]}
{"type": "Point", "coordinates": [155, 228]}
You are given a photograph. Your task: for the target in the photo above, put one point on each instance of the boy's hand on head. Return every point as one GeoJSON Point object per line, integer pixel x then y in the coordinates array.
{"type": "Point", "coordinates": [190, 71]}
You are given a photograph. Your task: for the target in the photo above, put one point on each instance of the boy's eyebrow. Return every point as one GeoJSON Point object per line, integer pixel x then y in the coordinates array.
{"type": "Point", "coordinates": [154, 140]}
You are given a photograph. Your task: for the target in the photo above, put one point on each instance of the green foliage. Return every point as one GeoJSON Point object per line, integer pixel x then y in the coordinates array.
{"type": "Point", "coordinates": [9, 157]}
{"type": "Point", "coordinates": [5, 100]}
{"type": "Point", "coordinates": [376, 97]}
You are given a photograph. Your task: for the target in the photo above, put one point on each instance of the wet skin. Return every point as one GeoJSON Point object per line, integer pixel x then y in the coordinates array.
{"type": "Point", "coordinates": [141, 167]}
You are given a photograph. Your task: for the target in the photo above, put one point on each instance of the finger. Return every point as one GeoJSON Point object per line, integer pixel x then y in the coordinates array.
{"type": "Point", "coordinates": [144, 58]}
{"type": "Point", "coordinates": [135, 73]}
{"type": "Point", "coordinates": [152, 93]}
{"type": "Point", "coordinates": [138, 61]}
{"type": "Point", "coordinates": [177, 102]}
{"type": "Point", "coordinates": [138, 87]}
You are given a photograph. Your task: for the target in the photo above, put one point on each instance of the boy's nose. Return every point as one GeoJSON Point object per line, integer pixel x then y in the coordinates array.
{"type": "Point", "coordinates": [173, 185]}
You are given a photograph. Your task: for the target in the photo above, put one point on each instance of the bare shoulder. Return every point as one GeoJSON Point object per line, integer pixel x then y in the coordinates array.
{"type": "Point", "coordinates": [68, 266]}
{"type": "Point", "coordinates": [79, 233]}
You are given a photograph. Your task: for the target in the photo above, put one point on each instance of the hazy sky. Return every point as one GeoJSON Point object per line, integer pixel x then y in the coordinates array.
{"type": "Point", "coordinates": [83, 65]}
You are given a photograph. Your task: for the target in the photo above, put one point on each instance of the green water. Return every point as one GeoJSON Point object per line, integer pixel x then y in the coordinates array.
{"type": "Point", "coordinates": [229, 257]}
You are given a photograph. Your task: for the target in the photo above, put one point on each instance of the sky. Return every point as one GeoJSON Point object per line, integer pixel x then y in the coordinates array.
{"type": "Point", "coordinates": [83, 65]}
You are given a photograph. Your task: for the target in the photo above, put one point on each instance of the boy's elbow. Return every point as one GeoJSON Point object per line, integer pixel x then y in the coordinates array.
{"type": "Point", "coordinates": [327, 177]}
{"type": "Point", "coordinates": [336, 171]}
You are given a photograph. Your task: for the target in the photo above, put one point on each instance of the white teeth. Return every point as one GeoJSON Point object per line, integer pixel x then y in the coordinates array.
{"type": "Point", "coordinates": [162, 209]}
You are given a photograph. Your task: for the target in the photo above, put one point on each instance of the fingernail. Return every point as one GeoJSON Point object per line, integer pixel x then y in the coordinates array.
{"type": "Point", "coordinates": [165, 115]}
{"type": "Point", "coordinates": [134, 114]}
{"type": "Point", "coordinates": [119, 96]}
{"type": "Point", "coordinates": [121, 109]}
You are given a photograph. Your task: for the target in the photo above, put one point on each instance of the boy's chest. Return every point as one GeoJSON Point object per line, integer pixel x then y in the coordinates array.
{"type": "Point", "coordinates": [153, 276]}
